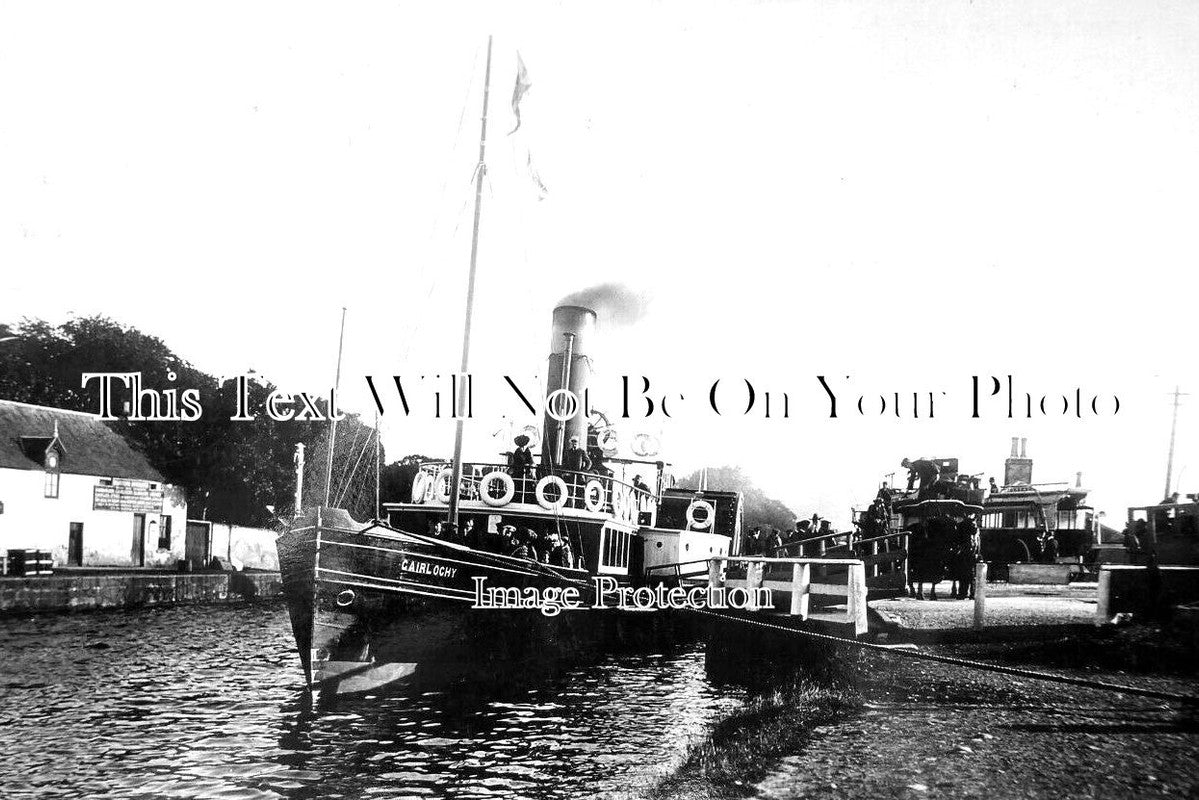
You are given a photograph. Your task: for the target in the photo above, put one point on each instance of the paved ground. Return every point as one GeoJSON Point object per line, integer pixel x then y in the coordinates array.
{"type": "Point", "coordinates": [932, 731]}
{"type": "Point", "coordinates": [1006, 605]}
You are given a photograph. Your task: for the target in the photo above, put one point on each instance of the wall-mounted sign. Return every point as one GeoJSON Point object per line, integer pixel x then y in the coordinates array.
{"type": "Point", "coordinates": [124, 494]}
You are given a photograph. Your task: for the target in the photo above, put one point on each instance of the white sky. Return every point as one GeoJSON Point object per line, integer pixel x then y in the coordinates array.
{"type": "Point", "coordinates": [907, 193]}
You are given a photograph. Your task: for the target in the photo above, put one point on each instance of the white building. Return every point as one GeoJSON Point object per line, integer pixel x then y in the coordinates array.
{"type": "Point", "coordinates": [70, 485]}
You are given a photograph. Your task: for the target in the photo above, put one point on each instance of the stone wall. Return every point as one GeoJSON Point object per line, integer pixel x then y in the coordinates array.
{"type": "Point", "coordinates": [132, 590]}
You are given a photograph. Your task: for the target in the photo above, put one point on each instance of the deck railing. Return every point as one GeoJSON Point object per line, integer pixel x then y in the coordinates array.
{"type": "Point", "coordinates": [539, 486]}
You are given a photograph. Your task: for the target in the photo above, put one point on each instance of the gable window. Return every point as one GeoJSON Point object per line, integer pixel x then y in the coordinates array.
{"type": "Point", "coordinates": [51, 475]}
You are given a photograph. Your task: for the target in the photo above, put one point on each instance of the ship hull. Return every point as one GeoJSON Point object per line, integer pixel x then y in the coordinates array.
{"type": "Point", "coordinates": [374, 608]}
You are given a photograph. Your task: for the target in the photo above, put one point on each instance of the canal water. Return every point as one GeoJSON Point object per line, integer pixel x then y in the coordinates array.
{"type": "Point", "coordinates": [209, 702]}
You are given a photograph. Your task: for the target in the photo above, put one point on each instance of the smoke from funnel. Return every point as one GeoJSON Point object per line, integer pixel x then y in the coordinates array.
{"type": "Point", "coordinates": [614, 303]}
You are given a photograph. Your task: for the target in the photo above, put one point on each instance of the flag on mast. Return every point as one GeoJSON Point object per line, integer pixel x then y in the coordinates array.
{"type": "Point", "coordinates": [518, 91]}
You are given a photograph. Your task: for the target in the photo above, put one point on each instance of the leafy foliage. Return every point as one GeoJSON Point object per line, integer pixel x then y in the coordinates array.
{"type": "Point", "coordinates": [231, 471]}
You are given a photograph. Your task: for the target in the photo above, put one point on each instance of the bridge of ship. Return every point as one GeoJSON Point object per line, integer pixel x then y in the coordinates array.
{"type": "Point", "coordinates": [491, 487]}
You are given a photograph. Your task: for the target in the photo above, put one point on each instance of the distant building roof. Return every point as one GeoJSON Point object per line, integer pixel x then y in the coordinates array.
{"type": "Point", "coordinates": [89, 446]}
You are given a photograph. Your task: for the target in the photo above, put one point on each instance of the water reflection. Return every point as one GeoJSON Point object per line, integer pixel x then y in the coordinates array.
{"type": "Point", "coordinates": [191, 702]}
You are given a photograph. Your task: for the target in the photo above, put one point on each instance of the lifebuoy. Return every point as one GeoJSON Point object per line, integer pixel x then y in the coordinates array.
{"type": "Point", "coordinates": [593, 496]}
{"type": "Point", "coordinates": [507, 485]}
{"type": "Point", "coordinates": [618, 502]}
{"type": "Point", "coordinates": [545, 502]}
{"type": "Point", "coordinates": [608, 442]}
{"type": "Point", "coordinates": [645, 444]}
{"type": "Point", "coordinates": [420, 487]}
{"type": "Point", "coordinates": [706, 522]}
{"type": "Point", "coordinates": [443, 485]}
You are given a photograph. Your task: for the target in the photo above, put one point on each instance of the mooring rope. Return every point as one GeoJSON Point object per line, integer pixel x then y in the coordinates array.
{"type": "Point", "coordinates": [962, 662]}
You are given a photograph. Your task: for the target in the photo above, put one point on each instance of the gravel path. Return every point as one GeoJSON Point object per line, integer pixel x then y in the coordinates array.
{"type": "Point", "coordinates": [1006, 605]}
{"type": "Point", "coordinates": [932, 731]}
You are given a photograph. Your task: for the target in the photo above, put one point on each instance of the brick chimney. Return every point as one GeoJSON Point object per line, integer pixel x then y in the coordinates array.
{"type": "Point", "coordinates": [1018, 466]}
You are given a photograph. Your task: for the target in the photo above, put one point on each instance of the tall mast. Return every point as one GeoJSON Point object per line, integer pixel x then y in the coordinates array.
{"type": "Point", "coordinates": [480, 171]}
{"type": "Point", "coordinates": [378, 466]}
{"type": "Point", "coordinates": [1170, 457]}
{"type": "Point", "coordinates": [332, 418]}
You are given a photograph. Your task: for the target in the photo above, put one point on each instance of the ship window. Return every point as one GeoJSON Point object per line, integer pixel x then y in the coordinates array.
{"type": "Point", "coordinates": [616, 548]}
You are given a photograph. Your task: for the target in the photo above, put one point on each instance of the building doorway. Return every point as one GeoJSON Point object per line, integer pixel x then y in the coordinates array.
{"type": "Point", "coordinates": [197, 543]}
{"type": "Point", "coordinates": [139, 540]}
{"type": "Point", "coordinates": [75, 545]}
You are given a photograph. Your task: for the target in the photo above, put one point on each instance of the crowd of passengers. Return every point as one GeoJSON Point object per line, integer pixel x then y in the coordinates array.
{"type": "Point", "coordinates": [574, 459]}
{"type": "Point", "coordinates": [545, 547]}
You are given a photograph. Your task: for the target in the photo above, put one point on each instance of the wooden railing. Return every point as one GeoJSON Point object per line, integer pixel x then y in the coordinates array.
{"type": "Point", "coordinates": [884, 557]}
{"type": "Point", "coordinates": [791, 584]}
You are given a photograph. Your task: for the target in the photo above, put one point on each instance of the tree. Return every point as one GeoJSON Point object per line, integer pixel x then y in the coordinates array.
{"type": "Point", "coordinates": [231, 471]}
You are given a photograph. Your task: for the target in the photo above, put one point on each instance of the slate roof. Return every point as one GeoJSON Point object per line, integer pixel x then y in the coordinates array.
{"type": "Point", "coordinates": [90, 447]}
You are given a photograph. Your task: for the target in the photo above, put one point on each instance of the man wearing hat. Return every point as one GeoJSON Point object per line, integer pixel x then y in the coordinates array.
{"type": "Point", "coordinates": [520, 465]}
{"type": "Point", "coordinates": [575, 458]}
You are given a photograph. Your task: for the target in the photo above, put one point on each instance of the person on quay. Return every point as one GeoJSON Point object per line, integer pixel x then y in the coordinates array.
{"type": "Point", "coordinates": [924, 469]}
{"type": "Point", "coordinates": [774, 543]}
{"type": "Point", "coordinates": [753, 542]}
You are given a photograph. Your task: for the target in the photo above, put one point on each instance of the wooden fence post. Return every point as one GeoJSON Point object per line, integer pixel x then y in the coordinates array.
{"type": "Point", "coordinates": [855, 601]}
{"type": "Point", "coordinates": [753, 582]}
{"type": "Point", "coordinates": [980, 593]}
{"type": "Point", "coordinates": [1103, 597]}
{"type": "Point", "coordinates": [800, 581]}
{"type": "Point", "coordinates": [715, 576]}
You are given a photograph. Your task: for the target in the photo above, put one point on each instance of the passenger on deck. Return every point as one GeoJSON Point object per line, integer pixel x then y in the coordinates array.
{"type": "Point", "coordinates": [545, 545]}
{"type": "Point", "coordinates": [596, 456]}
{"type": "Point", "coordinates": [531, 541]}
{"type": "Point", "coordinates": [472, 535]}
{"type": "Point", "coordinates": [500, 541]}
{"type": "Point", "coordinates": [641, 485]}
{"type": "Point", "coordinates": [449, 532]}
{"type": "Point", "coordinates": [520, 467]}
{"type": "Point", "coordinates": [560, 552]}
{"type": "Point", "coordinates": [575, 458]}
{"type": "Point", "coordinates": [994, 487]}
